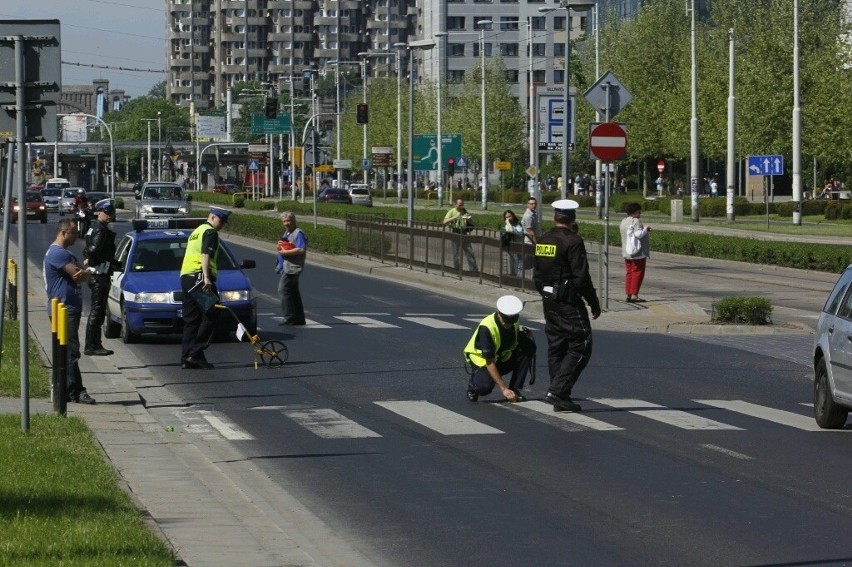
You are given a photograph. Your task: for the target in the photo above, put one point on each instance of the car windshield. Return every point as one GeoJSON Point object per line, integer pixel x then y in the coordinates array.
{"type": "Point", "coordinates": [166, 255]}
{"type": "Point", "coordinates": [33, 198]}
{"type": "Point", "coordinates": [167, 192]}
{"type": "Point", "coordinates": [51, 192]}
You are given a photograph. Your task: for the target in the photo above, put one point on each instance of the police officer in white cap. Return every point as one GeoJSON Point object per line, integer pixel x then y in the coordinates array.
{"type": "Point", "coordinates": [562, 278]}
{"type": "Point", "coordinates": [99, 253]}
{"type": "Point", "coordinates": [499, 345]}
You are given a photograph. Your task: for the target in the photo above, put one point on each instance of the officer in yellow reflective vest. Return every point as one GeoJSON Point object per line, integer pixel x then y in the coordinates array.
{"type": "Point", "coordinates": [198, 282]}
{"type": "Point", "coordinates": [499, 346]}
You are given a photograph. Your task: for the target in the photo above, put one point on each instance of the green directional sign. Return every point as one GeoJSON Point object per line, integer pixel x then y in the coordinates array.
{"type": "Point", "coordinates": [425, 151]}
{"type": "Point", "coordinates": [262, 125]}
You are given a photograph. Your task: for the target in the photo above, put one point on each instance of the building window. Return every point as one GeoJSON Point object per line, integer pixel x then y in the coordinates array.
{"type": "Point", "coordinates": [509, 49]}
{"type": "Point", "coordinates": [488, 50]}
{"type": "Point", "coordinates": [510, 25]}
{"type": "Point", "coordinates": [512, 75]}
{"type": "Point", "coordinates": [559, 50]}
{"type": "Point", "coordinates": [539, 76]}
{"type": "Point", "coordinates": [539, 49]}
{"type": "Point", "coordinates": [539, 23]}
{"type": "Point", "coordinates": [559, 23]}
{"type": "Point", "coordinates": [456, 77]}
{"type": "Point", "coordinates": [455, 23]}
{"type": "Point", "coordinates": [455, 50]}
{"type": "Point", "coordinates": [477, 26]}
{"type": "Point", "coordinates": [559, 76]}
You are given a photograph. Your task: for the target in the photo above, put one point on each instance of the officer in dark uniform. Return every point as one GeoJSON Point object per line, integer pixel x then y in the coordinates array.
{"type": "Point", "coordinates": [198, 282]}
{"type": "Point", "coordinates": [99, 254]}
{"type": "Point", "coordinates": [562, 278]}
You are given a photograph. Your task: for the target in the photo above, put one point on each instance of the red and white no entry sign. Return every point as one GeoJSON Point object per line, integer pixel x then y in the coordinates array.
{"type": "Point", "coordinates": [607, 141]}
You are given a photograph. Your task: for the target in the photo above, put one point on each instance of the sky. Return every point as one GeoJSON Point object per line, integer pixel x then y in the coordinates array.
{"type": "Point", "coordinates": [126, 34]}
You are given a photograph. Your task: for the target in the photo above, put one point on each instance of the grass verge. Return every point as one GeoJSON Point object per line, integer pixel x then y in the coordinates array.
{"type": "Point", "coordinates": [60, 503]}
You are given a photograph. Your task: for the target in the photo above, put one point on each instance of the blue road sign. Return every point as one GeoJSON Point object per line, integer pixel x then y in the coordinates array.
{"type": "Point", "coordinates": [366, 163]}
{"type": "Point", "coordinates": [461, 162]}
{"type": "Point", "coordinates": [766, 165]}
{"type": "Point", "coordinates": [253, 165]}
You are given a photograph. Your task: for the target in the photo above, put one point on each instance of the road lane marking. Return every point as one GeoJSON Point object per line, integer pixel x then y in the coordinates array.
{"type": "Point", "coordinates": [329, 424]}
{"type": "Point", "coordinates": [309, 324]}
{"type": "Point", "coordinates": [366, 322]}
{"type": "Point", "coordinates": [227, 428]}
{"type": "Point", "coordinates": [727, 452]}
{"type": "Point", "coordinates": [570, 417]}
{"type": "Point", "coordinates": [662, 414]}
{"type": "Point", "coordinates": [762, 412]}
{"type": "Point", "coordinates": [437, 418]}
{"type": "Point", "coordinates": [433, 323]}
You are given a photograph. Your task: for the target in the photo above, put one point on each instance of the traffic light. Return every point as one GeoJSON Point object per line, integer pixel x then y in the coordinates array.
{"type": "Point", "coordinates": [270, 109]}
{"type": "Point", "coordinates": [362, 114]}
{"type": "Point", "coordinates": [451, 166]}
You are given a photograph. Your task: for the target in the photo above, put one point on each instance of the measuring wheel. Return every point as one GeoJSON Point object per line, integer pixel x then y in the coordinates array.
{"type": "Point", "coordinates": [273, 353]}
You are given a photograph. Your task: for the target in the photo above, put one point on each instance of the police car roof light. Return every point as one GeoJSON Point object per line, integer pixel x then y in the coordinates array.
{"type": "Point", "coordinates": [187, 223]}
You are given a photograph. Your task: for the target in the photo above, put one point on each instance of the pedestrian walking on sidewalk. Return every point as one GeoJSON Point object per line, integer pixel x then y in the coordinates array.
{"type": "Point", "coordinates": [562, 278]}
{"type": "Point", "coordinates": [63, 277]}
{"type": "Point", "coordinates": [198, 282]}
{"type": "Point", "coordinates": [98, 256]}
{"type": "Point", "coordinates": [292, 309]}
{"type": "Point", "coordinates": [460, 223]}
{"type": "Point", "coordinates": [635, 249]}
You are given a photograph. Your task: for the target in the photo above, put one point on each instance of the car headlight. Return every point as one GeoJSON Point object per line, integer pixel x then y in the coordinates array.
{"type": "Point", "coordinates": [145, 297]}
{"type": "Point", "coordinates": [236, 295]}
{"type": "Point", "coordinates": [184, 209]}
{"type": "Point", "coordinates": [147, 208]}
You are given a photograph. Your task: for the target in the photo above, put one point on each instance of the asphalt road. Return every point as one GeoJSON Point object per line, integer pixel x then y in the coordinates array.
{"type": "Point", "coordinates": [699, 452]}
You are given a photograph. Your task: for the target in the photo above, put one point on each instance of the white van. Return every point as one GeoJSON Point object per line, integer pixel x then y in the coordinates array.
{"type": "Point", "coordinates": [57, 183]}
{"type": "Point", "coordinates": [361, 195]}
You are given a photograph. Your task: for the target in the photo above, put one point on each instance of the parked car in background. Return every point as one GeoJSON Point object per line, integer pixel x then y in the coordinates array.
{"type": "Point", "coordinates": [95, 196]}
{"type": "Point", "coordinates": [51, 198]}
{"type": "Point", "coordinates": [146, 296]}
{"type": "Point", "coordinates": [162, 200]}
{"type": "Point", "coordinates": [334, 195]}
{"type": "Point", "coordinates": [360, 194]}
{"type": "Point", "coordinates": [66, 202]}
{"type": "Point", "coordinates": [833, 356]}
{"type": "Point", "coordinates": [34, 209]}
{"type": "Point", "coordinates": [225, 188]}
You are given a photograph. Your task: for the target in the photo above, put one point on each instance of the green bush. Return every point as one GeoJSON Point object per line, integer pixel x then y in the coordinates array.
{"type": "Point", "coordinates": [119, 202]}
{"type": "Point", "coordinates": [743, 310]}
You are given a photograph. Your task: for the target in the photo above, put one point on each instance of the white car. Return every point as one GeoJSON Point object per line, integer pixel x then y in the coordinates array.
{"type": "Point", "coordinates": [162, 200]}
{"type": "Point", "coordinates": [833, 356]}
{"type": "Point", "coordinates": [51, 196]}
{"type": "Point", "coordinates": [360, 194]}
{"type": "Point", "coordinates": [57, 183]}
{"type": "Point", "coordinates": [66, 201]}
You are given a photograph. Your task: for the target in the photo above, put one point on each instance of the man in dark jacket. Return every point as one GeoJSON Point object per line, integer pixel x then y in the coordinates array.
{"type": "Point", "coordinates": [99, 254]}
{"type": "Point", "coordinates": [562, 278]}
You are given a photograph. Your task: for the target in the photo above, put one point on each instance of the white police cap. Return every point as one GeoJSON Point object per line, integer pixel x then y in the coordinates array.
{"type": "Point", "coordinates": [565, 205]}
{"type": "Point", "coordinates": [510, 305]}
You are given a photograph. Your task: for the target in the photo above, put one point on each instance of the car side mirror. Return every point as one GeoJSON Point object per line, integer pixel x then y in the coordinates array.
{"type": "Point", "coordinates": [248, 264]}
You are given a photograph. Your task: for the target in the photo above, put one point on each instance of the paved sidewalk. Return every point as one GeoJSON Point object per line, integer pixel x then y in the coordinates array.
{"type": "Point", "coordinates": [211, 505]}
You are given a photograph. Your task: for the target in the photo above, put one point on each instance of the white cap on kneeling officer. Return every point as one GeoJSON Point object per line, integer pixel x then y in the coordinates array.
{"type": "Point", "coordinates": [510, 305]}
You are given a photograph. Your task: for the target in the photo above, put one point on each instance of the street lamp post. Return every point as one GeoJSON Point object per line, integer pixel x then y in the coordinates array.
{"type": "Point", "coordinates": [399, 47]}
{"type": "Point", "coordinates": [364, 100]}
{"type": "Point", "coordinates": [149, 120]}
{"type": "Point", "coordinates": [732, 105]}
{"type": "Point", "coordinates": [483, 168]}
{"type": "Point", "coordinates": [797, 123]}
{"type": "Point", "coordinates": [159, 148]}
{"type": "Point", "coordinates": [693, 122]}
{"type": "Point", "coordinates": [111, 149]}
{"type": "Point", "coordinates": [567, 5]}
{"type": "Point", "coordinates": [418, 44]}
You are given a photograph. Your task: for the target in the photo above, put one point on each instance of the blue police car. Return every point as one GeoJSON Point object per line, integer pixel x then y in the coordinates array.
{"type": "Point", "coordinates": [145, 295]}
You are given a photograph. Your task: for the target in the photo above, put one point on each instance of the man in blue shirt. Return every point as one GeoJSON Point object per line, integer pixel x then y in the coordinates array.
{"type": "Point", "coordinates": [62, 278]}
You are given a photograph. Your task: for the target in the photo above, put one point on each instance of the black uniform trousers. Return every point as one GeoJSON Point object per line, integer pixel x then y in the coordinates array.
{"type": "Point", "coordinates": [198, 324]}
{"type": "Point", "coordinates": [100, 290]}
{"type": "Point", "coordinates": [569, 344]}
{"type": "Point", "coordinates": [518, 364]}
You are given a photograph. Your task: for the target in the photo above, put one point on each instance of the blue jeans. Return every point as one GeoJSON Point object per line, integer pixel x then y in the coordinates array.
{"type": "Point", "coordinates": [74, 378]}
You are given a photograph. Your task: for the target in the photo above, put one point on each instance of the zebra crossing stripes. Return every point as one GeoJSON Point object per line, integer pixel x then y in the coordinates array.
{"type": "Point", "coordinates": [580, 419]}
{"type": "Point", "coordinates": [677, 418]}
{"type": "Point", "coordinates": [211, 425]}
{"type": "Point", "coordinates": [434, 322]}
{"type": "Point", "coordinates": [366, 322]}
{"type": "Point", "coordinates": [329, 424]}
{"type": "Point", "coordinates": [438, 419]}
{"type": "Point", "coordinates": [782, 417]}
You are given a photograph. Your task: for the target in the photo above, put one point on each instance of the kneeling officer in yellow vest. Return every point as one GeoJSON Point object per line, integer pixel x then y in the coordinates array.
{"type": "Point", "coordinates": [499, 346]}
